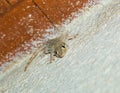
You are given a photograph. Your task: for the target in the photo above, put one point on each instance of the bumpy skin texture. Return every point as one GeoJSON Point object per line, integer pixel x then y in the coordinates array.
{"type": "Point", "coordinates": [56, 47]}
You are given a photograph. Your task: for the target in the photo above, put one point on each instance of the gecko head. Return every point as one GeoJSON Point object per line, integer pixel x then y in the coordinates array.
{"type": "Point", "coordinates": [61, 50]}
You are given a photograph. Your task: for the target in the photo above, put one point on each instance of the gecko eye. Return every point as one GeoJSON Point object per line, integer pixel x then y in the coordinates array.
{"type": "Point", "coordinates": [63, 46]}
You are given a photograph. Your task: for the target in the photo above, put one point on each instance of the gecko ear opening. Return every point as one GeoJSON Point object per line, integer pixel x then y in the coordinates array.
{"type": "Point", "coordinates": [55, 53]}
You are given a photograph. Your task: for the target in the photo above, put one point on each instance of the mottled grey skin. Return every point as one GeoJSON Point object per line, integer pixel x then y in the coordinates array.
{"type": "Point", "coordinates": [56, 47]}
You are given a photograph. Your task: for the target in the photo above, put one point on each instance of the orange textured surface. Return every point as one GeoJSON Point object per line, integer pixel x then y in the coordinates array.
{"type": "Point", "coordinates": [4, 6]}
{"type": "Point", "coordinates": [24, 21]}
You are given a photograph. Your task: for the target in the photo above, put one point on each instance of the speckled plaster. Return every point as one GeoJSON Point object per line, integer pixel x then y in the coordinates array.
{"type": "Point", "coordinates": [90, 66]}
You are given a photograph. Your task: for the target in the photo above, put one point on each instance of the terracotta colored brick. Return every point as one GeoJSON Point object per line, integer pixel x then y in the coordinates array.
{"type": "Point", "coordinates": [4, 7]}
{"type": "Point", "coordinates": [59, 10]}
{"type": "Point", "coordinates": [25, 22]}
{"type": "Point", "coordinates": [15, 26]}
{"type": "Point", "coordinates": [13, 2]}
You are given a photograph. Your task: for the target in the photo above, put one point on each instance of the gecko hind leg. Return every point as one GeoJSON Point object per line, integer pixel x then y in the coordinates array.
{"type": "Point", "coordinates": [31, 58]}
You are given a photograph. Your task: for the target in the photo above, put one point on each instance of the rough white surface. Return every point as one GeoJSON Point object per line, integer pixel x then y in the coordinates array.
{"type": "Point", "coordinates": [92, 64]}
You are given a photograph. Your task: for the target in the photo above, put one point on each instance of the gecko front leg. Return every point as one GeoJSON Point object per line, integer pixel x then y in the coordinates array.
{"type": "Point", "coordinates": [52, 57]}
{"type": "Point", "coordinates": [72, 37]}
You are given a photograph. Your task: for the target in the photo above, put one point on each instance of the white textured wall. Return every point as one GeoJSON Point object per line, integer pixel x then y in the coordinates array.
{"type": "Point", "coordinates": [92, 64]}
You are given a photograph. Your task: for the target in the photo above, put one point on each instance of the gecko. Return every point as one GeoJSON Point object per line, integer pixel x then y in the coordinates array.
{"type": "Point", "coordinates": [56, 47]}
